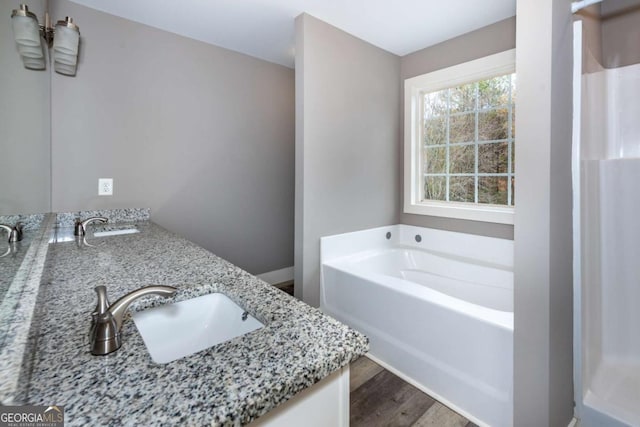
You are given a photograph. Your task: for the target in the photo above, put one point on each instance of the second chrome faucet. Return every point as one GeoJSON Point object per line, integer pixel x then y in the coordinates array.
{"type": "Point", "coordinates": [107, 318]}
{"type": "Point", "coordinates": [81, 226]}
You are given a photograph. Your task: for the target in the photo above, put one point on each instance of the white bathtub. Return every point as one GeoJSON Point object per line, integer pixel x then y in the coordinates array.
{"type": "Point", "coordinates": [438, 312]}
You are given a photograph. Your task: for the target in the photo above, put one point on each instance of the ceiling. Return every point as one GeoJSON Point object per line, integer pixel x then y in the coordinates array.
{"type": "Point", "coordinates": [265, 28]}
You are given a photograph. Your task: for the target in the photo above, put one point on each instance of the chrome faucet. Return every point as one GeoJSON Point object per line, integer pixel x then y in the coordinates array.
{"type": "Point", "coordinates": [15, 232]}
{"type": "Point", "coordinates": [107, 318]}
{"type": "Point", "coordinates": [81, 226]}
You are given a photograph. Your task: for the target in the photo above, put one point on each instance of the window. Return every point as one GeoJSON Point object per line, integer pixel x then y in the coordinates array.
{"type": "Point", "coordinates": [460, 141]}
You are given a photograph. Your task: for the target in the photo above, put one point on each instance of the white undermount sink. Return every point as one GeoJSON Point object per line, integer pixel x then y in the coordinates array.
{"type": "Point", "coordinates": [116, 232]}
{"type": "Point", "coordinates": [177, 330]}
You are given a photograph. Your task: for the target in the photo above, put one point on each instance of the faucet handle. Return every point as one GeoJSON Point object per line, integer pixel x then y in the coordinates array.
{"type": "Point", "coordinates": [18, 230]}
{"type": "Point", "coordinates": [103, 303]}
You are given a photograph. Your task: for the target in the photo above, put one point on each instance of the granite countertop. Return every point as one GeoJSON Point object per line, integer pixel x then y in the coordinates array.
{"type": "Point", "coordinates": [231, 383]}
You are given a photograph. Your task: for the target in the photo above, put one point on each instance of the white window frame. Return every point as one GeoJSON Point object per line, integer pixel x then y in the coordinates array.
{"type": "Point", "coordinates": [480, 69]}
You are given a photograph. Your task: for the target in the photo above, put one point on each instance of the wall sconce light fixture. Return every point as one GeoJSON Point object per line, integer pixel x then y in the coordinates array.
{"type": "Point", "coordinates": [28, 33]}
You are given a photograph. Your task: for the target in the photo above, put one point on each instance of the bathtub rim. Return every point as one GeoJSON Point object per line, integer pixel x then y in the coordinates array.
{"type": "Point", "coordinates": [399, 236]}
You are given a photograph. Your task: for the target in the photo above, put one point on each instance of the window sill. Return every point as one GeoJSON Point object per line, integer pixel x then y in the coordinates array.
{"type": "Point", "coordinates": [466, 211]}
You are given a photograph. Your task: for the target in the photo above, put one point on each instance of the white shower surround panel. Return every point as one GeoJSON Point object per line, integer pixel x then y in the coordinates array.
{"type": "Point", "coordinates": [609, 366]}
{"type": "Point", "coordinates": [438, 312]}
{"type": "Point", "coordinates": [610, 291]}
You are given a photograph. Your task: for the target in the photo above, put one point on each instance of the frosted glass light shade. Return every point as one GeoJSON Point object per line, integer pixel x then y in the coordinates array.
{"type": "Point", "coordinates": [26, 30]}
{"type": "Point", "coordinates": [66, 40]}
{"type": "Point", "coordinates": [31, 51]}
{"type": "Point", "coordinates": [34, 63]}
{"type": "Point", "coordinates": [64, 58]}
{"type": "Point", "coordinates": [66, 69]}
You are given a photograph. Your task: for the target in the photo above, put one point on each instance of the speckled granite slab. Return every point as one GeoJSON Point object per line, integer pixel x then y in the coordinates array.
{"type": "Point", "coordinates": [68, 219]}
{"type": "Point", "coordinates": [231, 383]}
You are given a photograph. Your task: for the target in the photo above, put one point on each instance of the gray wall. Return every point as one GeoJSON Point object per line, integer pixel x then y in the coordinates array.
{"type": "Point", "coordinates": [202, 135]}
{"type": "Point", "coordinates": [620, 33]}
{"type": "Point", "coordinates": [24, 125]}
{"type": "Point", "coordinates": [347, 130]}
{"type": "Point", "coordinates": [543, 335]}
{"type": "Point", "coordinates": [486, 41]}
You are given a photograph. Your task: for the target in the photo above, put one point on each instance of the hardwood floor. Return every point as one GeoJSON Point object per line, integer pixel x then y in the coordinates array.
{"type": "Point", "coordinates": [379, 398]}
{"type": "Point", "coordinates": [286, 287]}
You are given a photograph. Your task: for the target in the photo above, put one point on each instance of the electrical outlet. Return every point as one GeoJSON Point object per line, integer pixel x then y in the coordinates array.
{"type": "Point", "coordinates": [105, 186]}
